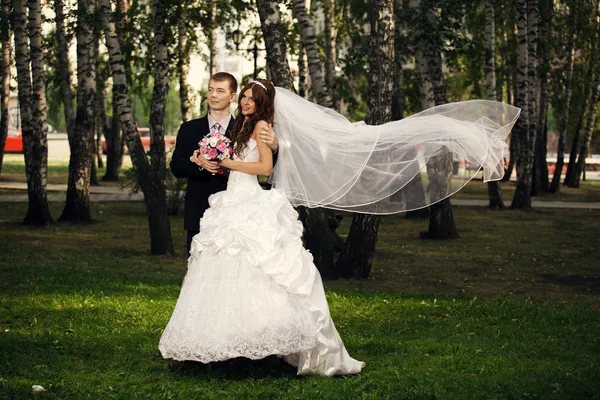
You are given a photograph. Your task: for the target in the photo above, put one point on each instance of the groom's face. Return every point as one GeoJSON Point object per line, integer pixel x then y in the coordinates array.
{"type": "Point", "coordinates": [220, 95]}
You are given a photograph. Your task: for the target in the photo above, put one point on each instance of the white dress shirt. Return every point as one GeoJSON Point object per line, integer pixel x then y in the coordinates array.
{"type": "Point", "coordinates": [224, 123]}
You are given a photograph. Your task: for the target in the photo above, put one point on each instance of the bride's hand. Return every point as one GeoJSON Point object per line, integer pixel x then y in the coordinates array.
{"type": "Point", "coordinates": [226, 163]}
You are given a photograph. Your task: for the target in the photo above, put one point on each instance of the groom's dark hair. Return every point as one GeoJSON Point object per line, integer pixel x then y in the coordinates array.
{"type": "Point", "coordinates": [225, 76]}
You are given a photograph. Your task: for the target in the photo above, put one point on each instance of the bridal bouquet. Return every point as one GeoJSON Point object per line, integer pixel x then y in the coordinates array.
{"type": "Point", "coordinates": [216, 147]}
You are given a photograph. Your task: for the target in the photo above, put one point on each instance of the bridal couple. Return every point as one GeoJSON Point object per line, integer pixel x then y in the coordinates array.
{"type": "Point", "coordinates": [251, 288]}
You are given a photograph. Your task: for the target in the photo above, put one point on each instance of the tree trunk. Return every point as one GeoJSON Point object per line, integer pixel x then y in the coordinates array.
{"type": "Point", "coordinates": [427, 101]}
{"type": "Point", "coordinates": [96, 136]}
{"type": "Point", "coordinates": [32, 108]}
{"type": "Point", "coordinates": [357, 255]}
{"type": "Point", "coordinates": [5, 64]}
{"type": "Point", "coordinates": [301, 70]}
{"type": "Point", "coordinates": [77, 206]}
{"type": "Point", "coordinates": [494, 192]}
{"type": "Point", "coordinates": [532, 85]}
{"type": "Point", "coordinates": [309, 40]}
{"type": "Point", "coordinates": [114, 146]}
{"type": "Point", "coordinates": [115, 140]}
{"type": "Point", "coordinates": [212, 39]}
{"type": "Point", "coordinates": [540, 182]}
{"type": "Point", "coordinates": [183, 64]}
{"type": "Point", "coordinates": [589, 126]}
{"type": "Point", "coordinates": [522, 197]}
{"type": "Point", "coordinates": [161, 237]}
{"type": "Point", "coordinates": [102, 126]}
{"type": "Point", "coordinates": [564, 120]}
{"type": "Point", "coordinates": [318, 236]}
{"type": "Point", "coordinates": [274, 37]}
{"type": "Point", "coordinates": [330, 51]}
{"type": "Point", "coordinates": [571, 175]}
{"type": "Point", "coordinates": [572, 166]}
{"type": "Point", "coordinates": [64, 68]}
{"type": "Point", "coordinates": [441, 218]}
{"type": "Point", "coordinates": [159, 243]}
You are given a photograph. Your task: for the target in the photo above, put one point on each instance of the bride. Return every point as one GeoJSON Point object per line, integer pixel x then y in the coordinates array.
{"type": "Point", "coordinates": [252, 289]}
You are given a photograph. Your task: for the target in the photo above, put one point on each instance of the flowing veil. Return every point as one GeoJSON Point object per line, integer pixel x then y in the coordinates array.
{"type": "Point", "coordinates": [327, 161]}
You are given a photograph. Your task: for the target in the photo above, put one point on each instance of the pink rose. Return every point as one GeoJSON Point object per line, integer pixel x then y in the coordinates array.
{"type": "Point", "coordinates": [218, 136]}
{"type": "Point", "coordinates": [221, 146]}
{"type": "Point", "coordinates": [203, 150]}
{"type": "Point", "coordinates": [212, 153]}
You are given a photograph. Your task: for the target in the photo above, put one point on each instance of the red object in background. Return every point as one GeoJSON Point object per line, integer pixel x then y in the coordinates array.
{"type": "Point", "coordinates": [14, 141]}
{"type": "Point", "coordinates": [145, 136]}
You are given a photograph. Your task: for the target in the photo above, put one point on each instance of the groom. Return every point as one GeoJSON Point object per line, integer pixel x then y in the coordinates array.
{"type": "Point", "coordinates": [203, 180]}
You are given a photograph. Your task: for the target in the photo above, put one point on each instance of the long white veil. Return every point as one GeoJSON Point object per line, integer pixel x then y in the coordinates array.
{"type": "Point", "coordinates": [326, 161]}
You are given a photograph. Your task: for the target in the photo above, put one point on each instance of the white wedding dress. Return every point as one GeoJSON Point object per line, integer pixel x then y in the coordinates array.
{"type": "Point", "coordinates": [252, 289]}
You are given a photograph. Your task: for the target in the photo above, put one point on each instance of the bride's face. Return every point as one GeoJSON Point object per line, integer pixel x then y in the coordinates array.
{"type": "Point", "coordinates": [247, 102]}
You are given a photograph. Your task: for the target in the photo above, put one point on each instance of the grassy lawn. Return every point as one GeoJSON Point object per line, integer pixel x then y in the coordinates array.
{"type": "Point", "coordinates": [509, 311]}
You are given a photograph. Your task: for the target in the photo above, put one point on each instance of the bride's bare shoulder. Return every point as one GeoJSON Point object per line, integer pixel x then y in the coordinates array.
{"type": "Point", "coordinates": [261, 124]}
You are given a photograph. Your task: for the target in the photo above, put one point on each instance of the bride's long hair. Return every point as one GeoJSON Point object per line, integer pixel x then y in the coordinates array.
{"type": "Point", "coordinates": [264, 109]}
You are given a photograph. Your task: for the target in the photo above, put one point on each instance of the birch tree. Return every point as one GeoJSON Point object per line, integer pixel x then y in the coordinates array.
{"type": "Point", "coordinates": [357, 255]}
{"type": "Point", "coordinates": [32, 107]}
{"type": "Point", "coordinates": [564, 118]}
{"type": "Point", "coordinates": [152, 188]}
{"type": "Point", "coordinates": [521, 132]}
{"type": "Point", "coordinates": [5, 64]}
{"type": "Point", "coordinates": [494, 192]}
{"type": "Point", "coordinates": [77, 206]}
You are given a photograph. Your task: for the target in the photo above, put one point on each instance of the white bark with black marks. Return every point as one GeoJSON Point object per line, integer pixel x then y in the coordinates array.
{"type": "Point", "coordinates": [64, 67]}
{"type": "Point", "coordinates": [212, 37]}
{"type": "Point", "coordinates": [357, 255]}
{"type": "Point", "coordinates": [564, 119]}
{"type": "Point", "coordinates": [309, 41]}
{"type": "Point", "coordinates": [274, 37]}
{"type": "Point", "coordinates": [330, 34]}
{"type": "Point", "coordinates": [589, 125]}
{"type": "Point", "coordinates": [183, 64]}
{"type": "Point", "coordinates": [532, 85]}
{"type": "Point", "coordinates": [522, 196]}
{"type": "Point", "coordinates": [160, 239]}
{"type": "Point", "coordinates": [318, 236]}
{"type": "Point", "coordinates": [32, 108]}
{"type": "Point", "coordinates": [5, 64]}
{"type": "Point", "coordinates": [81, 140]}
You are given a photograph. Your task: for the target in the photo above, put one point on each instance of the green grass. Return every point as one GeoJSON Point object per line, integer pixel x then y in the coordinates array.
{"type": "Point", "coordinates": [588, 192]}
{"type": "Point", "coordinates": [13, 169]}
{"type": "Point", "coordinates": [509, 311]}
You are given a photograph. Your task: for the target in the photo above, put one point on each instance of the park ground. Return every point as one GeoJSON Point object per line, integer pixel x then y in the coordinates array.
{"type": "Point", "coordinates": [511, 310]}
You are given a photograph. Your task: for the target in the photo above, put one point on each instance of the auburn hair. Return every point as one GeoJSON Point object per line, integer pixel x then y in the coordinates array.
{"type": "Point", "coordinates": [264, 110]}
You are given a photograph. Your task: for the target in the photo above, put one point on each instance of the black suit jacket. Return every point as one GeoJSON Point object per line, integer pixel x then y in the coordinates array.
{"type": "Point", "coordinates": [201, 184]}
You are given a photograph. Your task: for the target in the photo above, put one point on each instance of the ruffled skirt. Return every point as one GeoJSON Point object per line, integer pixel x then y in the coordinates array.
{"type": "Point", "coordinates": [252, 290]}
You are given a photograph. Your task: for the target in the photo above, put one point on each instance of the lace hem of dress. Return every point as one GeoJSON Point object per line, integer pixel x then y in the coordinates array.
{"type": "Point", "coordinates": [252, 347]}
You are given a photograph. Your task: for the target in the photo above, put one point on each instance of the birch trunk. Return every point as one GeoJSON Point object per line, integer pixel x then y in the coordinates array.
{"type": "Point", "coordinates": [274, 37]}
{"type": "Point", "coordinates": [30, 65]}
{"type": "Point", "coordinates": [564, 120]}
{"type": "Point", "coordinates": [309, 41]}
{"type": "Point", "coordinates": [494, 192]}
{"type": "Point", "coordinates": [5, 64]}
{"type": "Point", "coordinates": [357, 255]}
{"type": "Point", "coordinates": [160, 242]}
{"type": "Point", "coordinates": [522, 197]}
{"type": "Point", "coordinates": [77, 206]}
{"type": "Point", "coordinates": [183, 64]}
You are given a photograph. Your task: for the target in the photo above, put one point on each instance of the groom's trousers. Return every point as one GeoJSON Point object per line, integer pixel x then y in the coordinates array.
{"type": "Point", "coordinates": [190, 236]}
